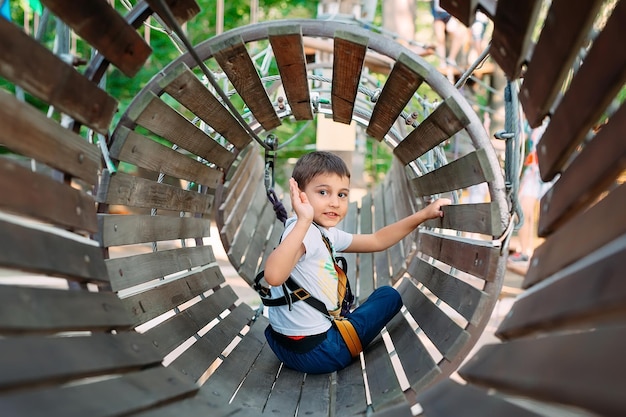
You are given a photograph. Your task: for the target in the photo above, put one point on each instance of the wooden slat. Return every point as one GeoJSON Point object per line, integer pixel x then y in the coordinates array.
{"type": "Point", "coordinates": [514, 22]}
{"type": "Point", "coordinates": [591, 293]}
{"type": "Point", "coordinates": [463, 10]}
{"type": "Point", "coordinates": [406, 76]}
{"type": "Point", "coordinates": [106, 30]}
{"type": "Point", "coordinates": [29, 132]}
{"type": "Point", "coordinates": [445, 334]}
{"type": "Point", "coordinates": [366, 260]}
{"type": "Point", "coordinates": [465, 299]}
{"type": "Point", "coordinates": [169, 334]}
{"type": "Point", "coordinates": [197, 406]}
{"type": "Point", "coordinates": [464, 172]}
{"type": "Point", "coordinates": [258, 244]}
{"type": "Point", "coordinates": [40, 197]}
{"type": "Point", "coordinates": [136, 269]}
{"type": "Point", "coordinates": [585, 179]}
{"type": "Point", "coordinates": [182, 10]}
{"type": "Point", "coordinates": [449, 398]}
{"type": "Point", "coordinates": [286, 393]}
{"type": "Point", "coordinates": [150, 304]}
{"type": "Point", "coordinates": [233, 57]}
{"type": "Point", "coordinates": [39, 361]}
{"type": "Point", "coordinates": [601, 76]}
{"type": "Point", "coordinates": [564, 31]}
{"type": "Point", "coordinates": [446, 120]}
{"type": "Point", "coordinates": [188, 90]}
{"type": "Point", "coordinates": [128, 190]}
{"type": "Point", "coordinates": [381, 259]}
{"type": "Point", "coordinates": [601, 224]}
{"type": "Point", "coordinates": [43, 310]}
{"type": "Point", "coordinates": [104, 398]}
{"type": "Point", "coordinates": [477, 258]}
{"type": "Point", "coordinates": [381, 377]}
{"type": "Point", "coordinates": [395, 253]}
{"type": "Point", "coordinates": [350, 224]}
{"type": "Point", "coordinates": [552, 369]}
{"type": "Point", "coordinates": [348, 390]}
{"type": "Point", "coordinates": [419, 367]}
{"type": "Point", "coordinates": [130, 229]}
{"type": "Point", "coordinates": [132, 147]}
{"type": "Point", "coordinates": [473, 218]}
{"type": "Point", "coordinates": [153, 114]}
{"type": "Point", "coordinates": [225, 381]}
{"type": "Point", "coordinates": [195, 361]}
{"type": "Point", "coordinates": [348, 56]}
{"type": "Point", "coordinates": [288, 49]}
{"type": "Point", "coordinates": [27, 63]}
{"type": "Point", "coordinates": [39, 251]}
{"type": "Point", "coordinates": [315, 399]}
{"type": "Point", "coordinates": [256, 387]}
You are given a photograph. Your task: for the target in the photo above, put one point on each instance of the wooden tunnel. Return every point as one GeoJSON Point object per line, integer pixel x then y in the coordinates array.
{"type": "Point", "coordinates": [110, 314]}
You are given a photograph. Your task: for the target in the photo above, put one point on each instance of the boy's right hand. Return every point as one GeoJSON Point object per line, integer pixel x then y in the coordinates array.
{"type": "Point", "coordinates": [434, 209]}
{"type": "Point", "coordinates": [300, 202]}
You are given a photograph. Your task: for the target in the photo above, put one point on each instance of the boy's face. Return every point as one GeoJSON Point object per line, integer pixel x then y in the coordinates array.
{"type": "Point", "coordinates": [328, 194]}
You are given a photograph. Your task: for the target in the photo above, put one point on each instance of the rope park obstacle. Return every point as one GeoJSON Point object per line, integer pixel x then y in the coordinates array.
{"type": "Point", "coordinates": [159, 332]}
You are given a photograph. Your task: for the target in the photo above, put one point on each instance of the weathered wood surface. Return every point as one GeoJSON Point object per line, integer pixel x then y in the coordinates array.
{"type": "Point", "coordinates": [348, 56]}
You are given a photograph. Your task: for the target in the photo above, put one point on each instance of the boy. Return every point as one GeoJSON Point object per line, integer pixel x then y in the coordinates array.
{"type": "Point", "coordinates": [299, 334]}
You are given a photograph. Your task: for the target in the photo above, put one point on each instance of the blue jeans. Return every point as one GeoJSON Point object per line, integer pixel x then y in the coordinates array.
{"type": "Point", "coordinates": [333, 354]}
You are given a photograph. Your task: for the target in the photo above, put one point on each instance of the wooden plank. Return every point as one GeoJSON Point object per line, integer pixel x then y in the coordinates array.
{"type": "Point", "coordinates": [463, 10]}
{"type": "Point", "coordinates": [464, 172]}
{"type": "Point", "coordinates": [473, 218]}
{"type": "Point", "coordinates": [43, 310]}
{"type": "Point", "coordinates": [56, 360]}
{"type": "Point", "coordinates": [560, 304]}
{"type": "Point", "coordinates": [171, 333]}
{"type": "Point", "coordinates": [288, 49]}
{"type": "Point", "coordinates": [381, 259]}
{"type": "Point", "coordinates": [35, 250]}
{"type": "Point", "coordinates": [404, 80]}
{"type": "Point", "coordinates": [133, 270]}
{"type": "Point", "coordinates": [546, 373]}
{"type": "Point", "coordinates": [225, 381]}
{"type": "Point", "coordinates": [315, 399]}
{"type": "Point", "coordinates": [233, 57]}
{"type": "Point", "coordinates": [27, 63]}
{"type": "Point", "coordinates": [40, 197]}
{"type": "Point", "coordinates": [348, 57]}
{"type": "Point", "coordinates": [125, 189]}
{"type": "Point", "coordinates": [106, 30]}
{"type": "Point", "coordinates": [366, 260]}
{"type": "Point", "coordinates": [152, 303]}
{"type": "Point", "coordinates": [557, 252]}
{"type": "Point", "coordinates": [187, 89]}
{"type": "Point", "coordinates": [477, 258]}
{"type": "Point", "coordinates": [348, 391]}
{"type": "Point", "coordinates": [419, 367]}
{"type": "Point", "coordinates": [349, 224]}
{"type": "Point", "coordinates": [130, 229]}
{"type": "Point", "coordinates": [465, 299]}
{"type": "Point", "coordinates": [152, 113]}
{"type": "Point", "coordinates": [27, 131]}
{"type": "Point", "coordinates": [381, 377]}
{"type": "Point", "coordinates": [585, 179]}
{"type": "Point", "coordinates": [446, 335]}
{"type": "Point", "coordinates": [286, 393]}
{"type": "Point", "coordinates": [565, 29]}
{"type": "Point", "coordinates": [182, 10]}
{"type": "Point", "coordinates": [252, 197]}
{"type": "Point", "coordinates": [197, 406]}
{"type": "Point", "coordinates": [446, 120]}
{"type": "Point", "coordinates": [601, 76]}
{"type": "Point", "coordinates": [197, 359]}
{"type": "Point", "coordinates": [514, 22]}
{"type": "Point", "coordinates": [132, 147]}
{"type": "Point", "coordinates": [257, 246]}
{"type": "Point", "coordinates": [449, 398]}
{"type": "Point", "coordinates": [102, 398]}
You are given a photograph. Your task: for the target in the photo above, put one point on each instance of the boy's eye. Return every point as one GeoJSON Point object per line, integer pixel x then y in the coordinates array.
{"type": "Point", "coordinates": [343, 195]}
{"type": "Point", "coordinates": [323, 192]}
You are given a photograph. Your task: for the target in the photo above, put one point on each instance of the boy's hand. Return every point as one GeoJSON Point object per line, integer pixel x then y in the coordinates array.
{"type": "Point", "coordinates": [300, 202]}
{"type": "Point", "coordinates": [433, 210]}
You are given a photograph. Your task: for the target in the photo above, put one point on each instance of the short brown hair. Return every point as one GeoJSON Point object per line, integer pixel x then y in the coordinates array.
{"type": "Point", "coordinates": [316, 163]}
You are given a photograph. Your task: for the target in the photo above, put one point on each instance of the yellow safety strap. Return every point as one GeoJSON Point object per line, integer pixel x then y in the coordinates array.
{"type": "Point", "coordinates": [349, 335]}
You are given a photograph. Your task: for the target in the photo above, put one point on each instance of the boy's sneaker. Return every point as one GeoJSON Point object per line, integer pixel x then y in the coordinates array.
{"type": "Point", "coordinates": [518, 257]}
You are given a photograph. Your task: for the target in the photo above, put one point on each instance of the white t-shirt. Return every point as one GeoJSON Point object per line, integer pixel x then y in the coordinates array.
{"type": "Point", "coordinates": [315, 273]}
